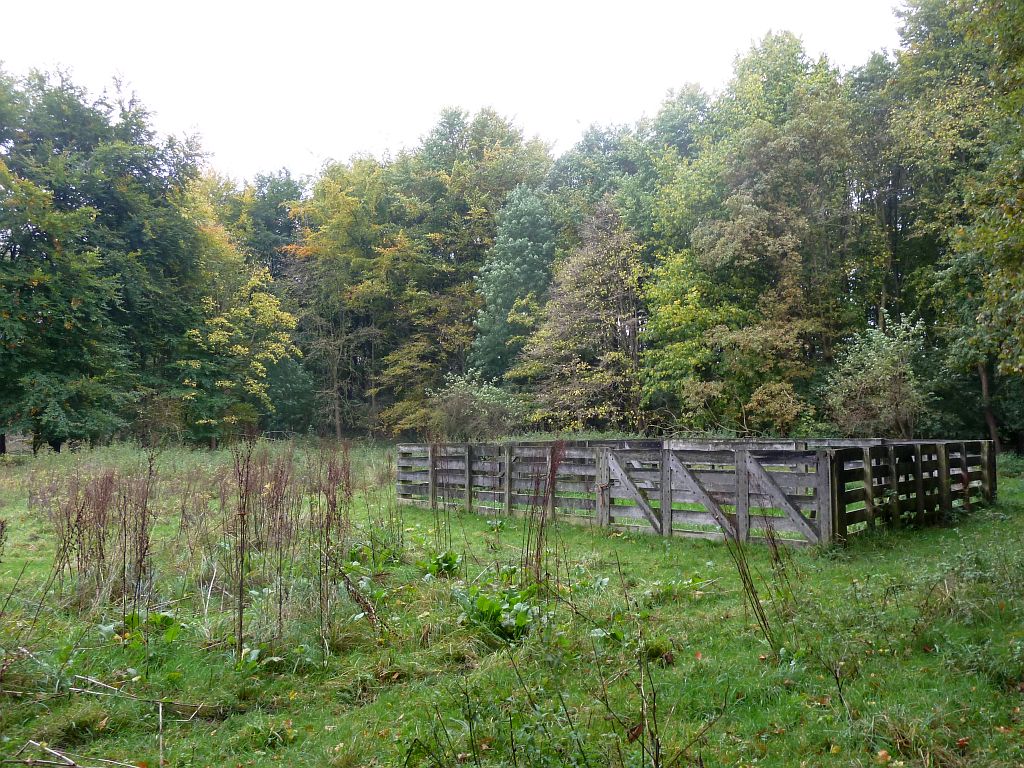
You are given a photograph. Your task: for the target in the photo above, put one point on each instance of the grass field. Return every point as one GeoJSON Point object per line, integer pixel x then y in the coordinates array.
{"type": "Point", "coordinates": [376, 635]}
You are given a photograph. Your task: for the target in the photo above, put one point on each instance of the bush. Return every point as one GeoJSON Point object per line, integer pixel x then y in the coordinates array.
{"type": "Point", "coordinates": [874, 390]}
{"type": "Point", "coordinates": [508, 614]}
{"type": "Point", "coordinates": [777, 409]}
{"type": "Point", "coordinates": [443, 565]}
{"type": "Point", "coordinates": [467, 408]}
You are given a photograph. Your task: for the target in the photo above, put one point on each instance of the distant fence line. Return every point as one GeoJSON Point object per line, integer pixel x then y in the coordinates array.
{"type": "Point", "coordinates": [800, 491]}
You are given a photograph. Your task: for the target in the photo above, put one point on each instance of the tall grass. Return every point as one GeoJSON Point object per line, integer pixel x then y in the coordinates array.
{"type": "Point", "coordinates": [277, 606]}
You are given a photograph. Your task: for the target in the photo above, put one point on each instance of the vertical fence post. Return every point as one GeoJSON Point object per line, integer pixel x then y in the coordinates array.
{"type": "Point", "coordinates": [602, 488]}
{"type": "Point", "coordinates": [993, 477]}
{"type": "Point", "coordinates": [742, 494]}
{"type": "Point", "coordinates": [945, 494]}
{"type": "Point", "coordinates": [919, 483]}
{"type": "Point", "coordinates": [965, 477]}
{"type": "Point", "coordinates": [894, 489]}
{"type": "Point", "coordinates": [827, 496]}
{"type": "Point", "coordinates": [869, 487]}
{"type": "Point", "coordinates": [432, 475]}
{"type": "Point", "coordinates": [551, 484]}
{"type": "Point", "coordinates": [826, 500]}
{"type": "Point", "coordinates": [506, 457]}
{"type": "Point", "coordinates": [839, 477]}
{"type": "Point", "coordinates": [665, 490]}
{"type": "Point", "coordinates": [468, 456]}
{"type": "Point", "coordinates": [934, 484]}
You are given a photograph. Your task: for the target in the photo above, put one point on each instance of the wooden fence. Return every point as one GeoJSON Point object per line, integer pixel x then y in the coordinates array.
{"type": "Point", "coordinates": [799, 491]}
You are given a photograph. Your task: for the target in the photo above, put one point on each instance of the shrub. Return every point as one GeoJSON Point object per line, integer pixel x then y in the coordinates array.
{"type": "Point", "coordinates": [874, 391]}
{"type": "Point", "coordinates": [508, 614]}
{"type": "Point", "coordinates": [467, 408]}
{"type": "Point", "coordinates": [776, 408]}
{"type": "Point", "coordinates": [443, 565]}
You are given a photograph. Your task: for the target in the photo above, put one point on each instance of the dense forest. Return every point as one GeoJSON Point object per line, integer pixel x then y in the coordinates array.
{"type": "Point", "coordinates": [809, 251]}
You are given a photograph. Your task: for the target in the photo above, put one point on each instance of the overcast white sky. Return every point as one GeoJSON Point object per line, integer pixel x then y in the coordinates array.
{"type": "Point", "coordinates": [293, 83]}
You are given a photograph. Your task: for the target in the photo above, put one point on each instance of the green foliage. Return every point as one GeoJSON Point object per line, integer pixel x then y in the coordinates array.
{"type": "Point", "coordinates": [874, 390]}
{"type": "Point", "coordinates": [118, 271]}
{"type": "Point", "coordinates": [259, 217]}
{"type": "Point", "coordinates": [955, 131]}
{"type": "Point", "coordinates": [508, 614]}
{"type": "Point", "coordinates": [291, 390]}
{"type": "Point", "coordinates": [67, 373]}
{"type": "Point", "coordinates": [443, 565]}
{"type": "Point", "coordinates": [985, 257]}
{"type": "Point", "coordinates": [745, 310]}
{"type": "Point", "coordinates": [386, 262]}
{"type": "Point", "coordinates": [1011, 465]}
{"type": "Point", "coordinates": [225, 377]}
{"type": "Point", "coordinates": [243, 331]}
{"type": "Point", "coordinates": [468, 409]}
{"type": "Point", "coordinates": [699, 271]}
{"type": "Point", "coordinates": [583, 359]}
{"type": "Point", "coordinates": [516, 270]}
{"type": "Point", "coordinates": [100, 158]}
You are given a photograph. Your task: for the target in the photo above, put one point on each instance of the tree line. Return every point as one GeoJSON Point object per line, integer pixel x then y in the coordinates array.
{"type": "Point", "coordinates": [809, 251]}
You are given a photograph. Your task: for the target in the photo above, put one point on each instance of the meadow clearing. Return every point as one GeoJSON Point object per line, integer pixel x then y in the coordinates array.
{"type": "Point", "coordinates": [272, 604]}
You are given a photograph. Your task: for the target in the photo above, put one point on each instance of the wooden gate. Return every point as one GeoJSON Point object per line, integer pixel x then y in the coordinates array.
{"type": "Point", "coordinates": [730, 492]}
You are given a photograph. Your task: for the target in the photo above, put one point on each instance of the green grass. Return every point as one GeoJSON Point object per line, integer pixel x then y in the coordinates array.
{"type": "Point", "coordinates": [905, 647]}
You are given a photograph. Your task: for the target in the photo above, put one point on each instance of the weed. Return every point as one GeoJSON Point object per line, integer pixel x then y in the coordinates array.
{"type": "Point", "coordinates": [507, 615]}
{"type": "Point", "coordinates": [442, 565]}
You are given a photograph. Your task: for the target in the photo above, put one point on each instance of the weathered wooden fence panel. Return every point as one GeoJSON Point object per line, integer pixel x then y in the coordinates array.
{"type": "Point", "coordinates": [797, 491]}
{"type": "Point", "coordinates": [914, 482]}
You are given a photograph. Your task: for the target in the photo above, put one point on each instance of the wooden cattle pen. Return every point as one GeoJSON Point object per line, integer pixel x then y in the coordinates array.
{"type": "Point", "coordinates": [799, 491]}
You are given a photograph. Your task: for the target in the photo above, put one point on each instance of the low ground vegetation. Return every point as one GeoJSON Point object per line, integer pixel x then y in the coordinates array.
{"type": "Point", "coordinates": [271, 605]}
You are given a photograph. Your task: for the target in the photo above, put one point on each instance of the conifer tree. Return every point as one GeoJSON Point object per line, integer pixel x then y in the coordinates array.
{"type": "Point", "coordinates": [516, 270]}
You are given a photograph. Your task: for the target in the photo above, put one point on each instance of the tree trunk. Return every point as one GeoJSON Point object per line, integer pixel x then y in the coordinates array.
{"type": "Point", "coordinates": [373, 389]}
{"type": "Point", "coordinates": [881, 309]}
{"type": "Point", "coordinates": [3, 443]}
{"type": "Point", "coordinates": [986, 405]}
